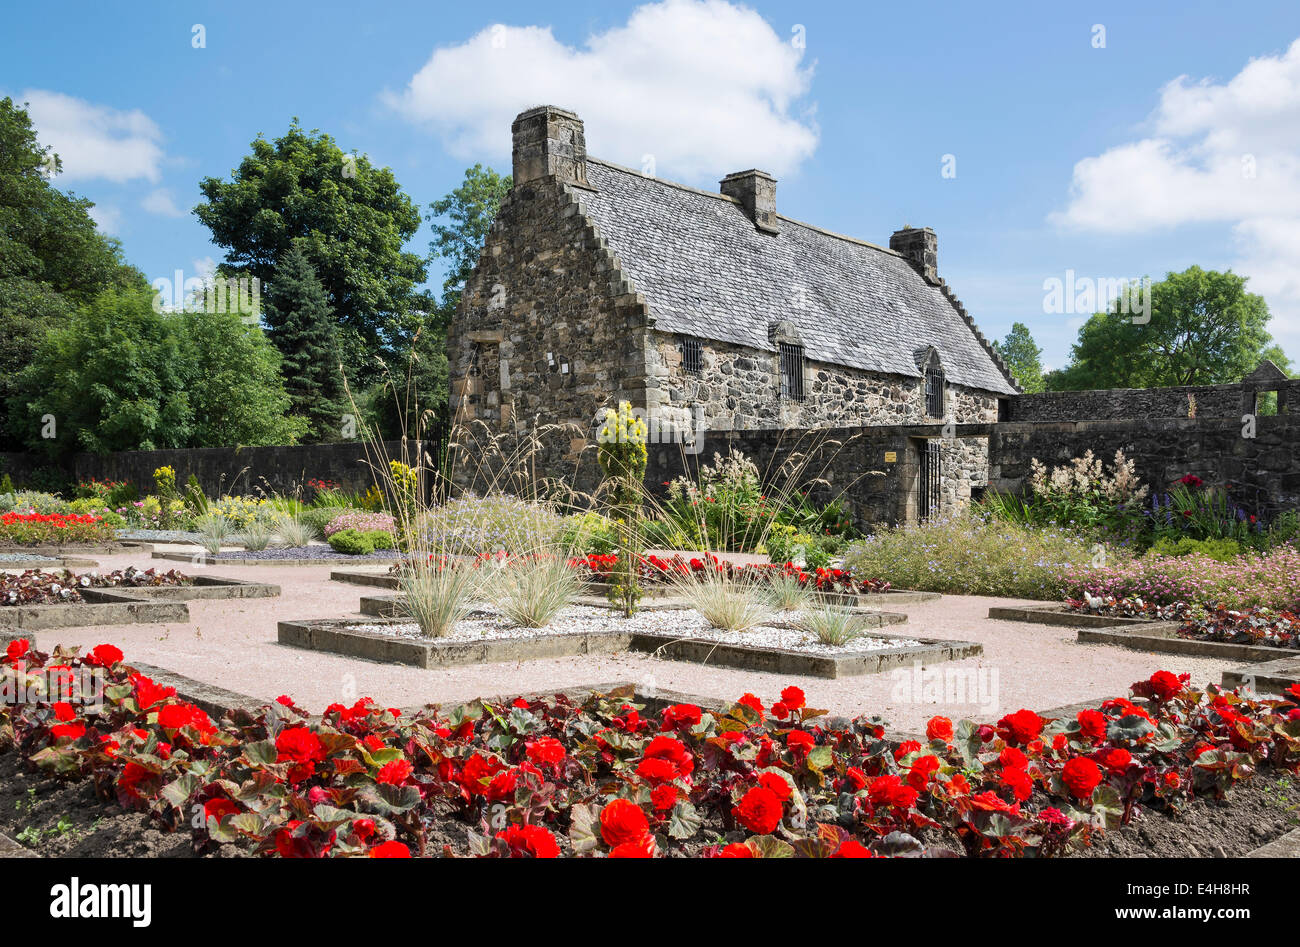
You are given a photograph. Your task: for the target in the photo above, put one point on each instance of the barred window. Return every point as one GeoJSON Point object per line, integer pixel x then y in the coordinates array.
{"type": "Point", "coordinates": [934, 390]}
{"type": "Point", "coordinates": [692, 355]}
{"type": "Point", "coordinates": [791, 371]}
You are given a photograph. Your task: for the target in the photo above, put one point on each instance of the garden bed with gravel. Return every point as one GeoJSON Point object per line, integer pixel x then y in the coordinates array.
{"type": "Point", "coordinates": [674, 633]}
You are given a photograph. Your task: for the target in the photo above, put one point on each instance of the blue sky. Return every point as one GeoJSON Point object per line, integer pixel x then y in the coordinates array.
{"type": "Point", "coordinates": [1068, 154]}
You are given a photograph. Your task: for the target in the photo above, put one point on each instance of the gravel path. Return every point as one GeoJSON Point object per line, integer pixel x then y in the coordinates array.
{"type": "Point", "coordinates": [25, 557]}
{"type": "Point", "coordinates": [232, 643]}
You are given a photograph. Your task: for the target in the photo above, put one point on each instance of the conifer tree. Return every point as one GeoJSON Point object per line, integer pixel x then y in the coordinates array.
{"type": "Point", "coordinates": [302, 326]}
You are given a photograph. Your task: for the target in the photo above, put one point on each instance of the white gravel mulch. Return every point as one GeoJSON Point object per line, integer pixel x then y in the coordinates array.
{"type": "Point", "coordinates": [684, 623]}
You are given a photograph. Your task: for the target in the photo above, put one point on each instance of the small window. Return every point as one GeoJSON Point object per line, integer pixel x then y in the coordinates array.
{"type": "Point", "coordinates": [934, 390]}
{"type": "Point", "coordinates": [474, 369]}
{"type": "Point", "coordinates": [692, 355]}
{"type": "Point", "coordinates": [1004, 409]}
{"type": "Point", "coordinates": [791, 371]}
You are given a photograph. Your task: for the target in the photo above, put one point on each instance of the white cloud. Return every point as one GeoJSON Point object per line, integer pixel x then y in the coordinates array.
{"type": "Point", "coordinates": [704, 86]}
{"type": "Point", "coordinates": [106, 218]}
{"type": "Point", "coordinates": [161, 202]}
{"type": "Point", "coordinates": [96, 141]}
{"type": "Point", "coordinates": [204, 268]}
{"type": "Point", "coordinates": [1225, 153]}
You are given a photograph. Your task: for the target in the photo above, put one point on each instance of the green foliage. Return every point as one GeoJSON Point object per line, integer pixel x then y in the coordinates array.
{"type": "Point", "coordinates": [301, 324]}
{"type": "Point", "coordinates": [470, 210]}
{"type": "Point", "coordinates": [1204, 329]}
{"type": "Point", "coordinates": [621, 453]}
{"type": "Point", "coordinates": [352, 220]}
{"type": "Point", "coordinates": [120, 376]}
{"type": "Point", "coordinates": [352, 543]}
{"type": "Point", "coordinates": [317, 518]}
{"type": "Point", "coordinates": [589, 534]}
{"type": "Point", "coordinates": [1220, 550]}
{"type": "Point", "coordinates": [970, 555]}
{"type": "Point", "coordinates": [358, 543]}
{"type": "Point", "coordinates": [788, 544]}
{"type": "Point", "coordinates": [52, 256]}
{"type": "Point", "coordinates": [1024, 357]}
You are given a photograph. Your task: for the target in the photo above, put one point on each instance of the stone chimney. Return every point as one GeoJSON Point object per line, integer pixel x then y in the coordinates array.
{"type": "Point", "coordinates": [919, 247]}
{"type": "Point", "coordinates": [549, 141]}
{"type": "Point", "coordinates": [756, 191]}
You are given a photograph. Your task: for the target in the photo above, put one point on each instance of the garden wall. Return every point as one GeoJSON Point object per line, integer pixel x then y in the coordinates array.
{"type": "Point", "coordinates": [1263, 471]}
{"type": "Point", "coordinates": [1212, 401]}
{"type": "Point", "coordinates": [221, 469]}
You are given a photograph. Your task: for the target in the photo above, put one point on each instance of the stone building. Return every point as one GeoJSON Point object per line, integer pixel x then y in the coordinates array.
{"type": "Point", "coordinates": [709, 312]}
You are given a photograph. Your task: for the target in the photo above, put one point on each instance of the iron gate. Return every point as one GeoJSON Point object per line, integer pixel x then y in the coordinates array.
{"type": "Point", "coordinates": [929, 496]}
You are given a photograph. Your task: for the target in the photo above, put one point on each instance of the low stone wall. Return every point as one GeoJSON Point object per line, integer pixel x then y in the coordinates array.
{"type": "Point", "coordinates": [1212, 401]}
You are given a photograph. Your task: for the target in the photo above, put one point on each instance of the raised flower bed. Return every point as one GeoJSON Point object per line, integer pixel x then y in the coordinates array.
{"type": "Point", "coordinates": [607, 777]}
{"type": "Point", "coordinates": [36, 600]}
{"type": "Point", "coordinates": [667, 631]}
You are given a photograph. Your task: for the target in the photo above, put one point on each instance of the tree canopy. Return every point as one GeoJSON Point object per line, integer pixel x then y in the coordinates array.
{"type": "Point", "coordinates": [351, 218]}
{"type": "Point", "coordinates": [300, 323]}
{"type": "Point", "coordinates": [121, 376]}
{"type": "Point", "coordinates": [469, 211]}
{"type": "Point", "coordinates": [1023, 356]}
{"type": "Point", "coordinates": [52, 256]}
{"type": "Point", "coordinates": [1204, 329]}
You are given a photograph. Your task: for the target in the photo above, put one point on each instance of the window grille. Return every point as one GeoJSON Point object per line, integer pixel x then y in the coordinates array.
{"type": "Point", "coordinates": [934, 391]}
{"type": "Point", "coordinates": [791, 371]}
{"type": "Point", "coordinates": [692, 355]}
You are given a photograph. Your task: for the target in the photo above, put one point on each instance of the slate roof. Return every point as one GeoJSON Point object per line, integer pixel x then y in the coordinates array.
{"type": "Point", "coordinates": [706, 271]}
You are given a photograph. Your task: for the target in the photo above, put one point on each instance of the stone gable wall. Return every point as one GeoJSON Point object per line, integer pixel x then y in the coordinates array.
{"type": "Point", "coordinates": [556, 331]}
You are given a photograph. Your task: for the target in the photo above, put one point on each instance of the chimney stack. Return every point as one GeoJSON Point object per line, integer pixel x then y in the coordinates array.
{"type": "Point", "coordinates": [549, 141]}
{"type": "Point", "coordinates": [920, 247]}
{"type": "Point", "coordinates": [756, 191]}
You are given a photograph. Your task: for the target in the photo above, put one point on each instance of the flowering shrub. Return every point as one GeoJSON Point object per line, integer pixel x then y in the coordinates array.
{"type": "Point", "coordinates": [35, 587]}
{"type": "Point", "coordinates": [242, 512]}
{"type": "Point", "coordinates": [31, 529]}
{"type": "Point", "coordinates": [975, 554]}
{"type": "Point", "coordinates": [1269, 579]}
{"type": "Point", "coordinates": [544, 777]}
{"type": "Point", "coordinates": [360, 522]}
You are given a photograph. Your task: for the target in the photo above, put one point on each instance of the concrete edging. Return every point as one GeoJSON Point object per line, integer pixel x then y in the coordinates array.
{"type": "Point", "coordinates": [1163, 637]}
{"type": "Point", "coordinates": [120, 605]}
{"type": "Point", "coordinates": [1060, 615]}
